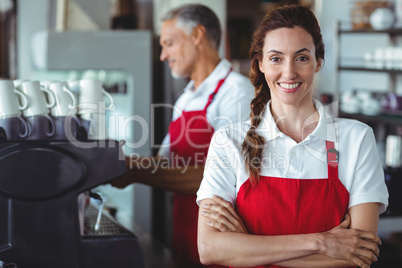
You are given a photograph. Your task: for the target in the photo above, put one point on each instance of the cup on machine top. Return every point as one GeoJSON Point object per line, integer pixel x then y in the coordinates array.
{"type": "Point", "coordinates": [74, 86]}
{"type": "Point", "coordinates": [12, 102]}
{"type": "Point", "coordinates": [91, 95]}
{"type": "Point", "coordinates": [65, 100]}
{"type": "Point", "coordinates": [9, 99]}
{"type": "Point", "coordinates": [38, 103]}
{"type": "Point", "coordinates": [64, 111]}
{"type": "Point", "coordinates": [37, 113]}
{"type": "Point", "coordinates": [92, 108]}
{"type": "Point", "coordinates": [18, 82]}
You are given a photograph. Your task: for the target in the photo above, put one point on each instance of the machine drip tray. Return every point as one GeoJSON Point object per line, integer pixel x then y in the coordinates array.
{"type": "Point", "coordinates": [108, 226]}
{"type": "Point", "coordinates": [112, 245]}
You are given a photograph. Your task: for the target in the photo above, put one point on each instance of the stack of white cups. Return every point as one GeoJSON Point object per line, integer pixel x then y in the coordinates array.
{"type": "Point", "coordinates": [37, 113]}
{"type": "Point", "coordinates": [92, 108]}
{"type": "Point", "coordinates": [45, 110]}
{"type": "Point", "coordinates": [12, 125]}
{"type": "Point", "coordinates": [64, 111]}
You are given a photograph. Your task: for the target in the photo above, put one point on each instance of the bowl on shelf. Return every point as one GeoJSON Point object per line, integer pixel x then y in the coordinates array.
{"type": "Point", "coordinates": [371, 107]}
{"type": "Point", "coordinates": [350, 103]}
{"type": "Point", "coordinates": [361, 11]}
{"type": "Point", "coordinates": [370, 103]}
{"type": "Point", "coordinates": [382, 19]}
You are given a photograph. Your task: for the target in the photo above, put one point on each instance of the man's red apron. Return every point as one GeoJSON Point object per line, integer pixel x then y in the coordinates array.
{"type": "Point", "coordinates": [280, 206]}
{"type": "Point", "coordinates": [190, 136]}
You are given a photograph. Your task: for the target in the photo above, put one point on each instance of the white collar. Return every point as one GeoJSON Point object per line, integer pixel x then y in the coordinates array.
{"type": "Point", "coordinates": [209, 84]}
{"type": "Point", "coordinates": [325, 130]}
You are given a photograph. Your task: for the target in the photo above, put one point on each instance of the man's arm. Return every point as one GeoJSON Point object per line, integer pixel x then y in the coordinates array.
{"type": "Point", "coordinates": [156, 171]}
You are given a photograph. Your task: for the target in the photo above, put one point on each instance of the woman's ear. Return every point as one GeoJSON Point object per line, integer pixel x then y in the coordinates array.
{"type": "Point", "coordinates": [260, 66]}
{"type": "Point", "coordinates": [319, 65]}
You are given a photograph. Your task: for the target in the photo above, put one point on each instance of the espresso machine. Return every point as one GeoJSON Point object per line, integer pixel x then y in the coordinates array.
{"type": "Point", "coordinates": [40, 225]}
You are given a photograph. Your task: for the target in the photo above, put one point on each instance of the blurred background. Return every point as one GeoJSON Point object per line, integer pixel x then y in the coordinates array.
{"type": "Point", "coordinates": [117, 42]}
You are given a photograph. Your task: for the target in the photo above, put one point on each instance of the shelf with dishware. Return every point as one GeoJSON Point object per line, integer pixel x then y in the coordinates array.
{"type": "Point", "coordinates": [386, 57]}
{"type": "Point", "coordinates": [369, 105]}
{"type": "Point", "coordinates": [365, 56]}
{"type": "Point", "coordinates": [392, 66]}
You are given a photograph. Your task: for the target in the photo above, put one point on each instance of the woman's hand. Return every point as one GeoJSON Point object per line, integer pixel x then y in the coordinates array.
{"type": "Point", "coordinates": [359, 247]}
{"type": "Point", "coordinates": [223, 217]}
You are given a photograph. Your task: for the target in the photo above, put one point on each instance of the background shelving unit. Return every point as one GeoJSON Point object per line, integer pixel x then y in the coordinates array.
{"type": "Point", "coordinates": [382, 123]}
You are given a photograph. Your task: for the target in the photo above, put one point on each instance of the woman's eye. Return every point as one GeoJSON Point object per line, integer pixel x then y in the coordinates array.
{"type": "Point", "coordinates": [302, 58]}
{"type": "Point", "coordinates": [275, 59]}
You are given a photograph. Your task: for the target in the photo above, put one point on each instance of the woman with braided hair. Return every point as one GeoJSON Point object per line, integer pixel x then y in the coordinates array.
{"type": "Point", "coordinates": [293, 186]}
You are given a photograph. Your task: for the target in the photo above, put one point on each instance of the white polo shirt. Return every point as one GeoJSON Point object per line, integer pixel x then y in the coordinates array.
{"type": "Point", "coordinates": [359, 168]}
{"type": "Point", "coordinates": [230, 105]}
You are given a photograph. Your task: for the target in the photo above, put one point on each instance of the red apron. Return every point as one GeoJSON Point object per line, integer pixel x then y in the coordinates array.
{"type": "Point", "coordinates": [190, 136]}
{"type": "Point", "coordinates": [280, 206]}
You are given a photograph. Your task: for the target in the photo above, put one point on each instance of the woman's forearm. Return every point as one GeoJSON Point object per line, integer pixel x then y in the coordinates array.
{"type": "Point", "coordinates": [315, 261]}
{"type": "Point", "coordinates": [363, 217]}
{"type": "Point", "coordinates": [245, 250]}
{"type": "Point", "coordinates": [338, 247]}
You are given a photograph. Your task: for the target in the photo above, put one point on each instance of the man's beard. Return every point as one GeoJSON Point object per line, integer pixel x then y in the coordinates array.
{"type": "Point", "coordinates": [177, 76]}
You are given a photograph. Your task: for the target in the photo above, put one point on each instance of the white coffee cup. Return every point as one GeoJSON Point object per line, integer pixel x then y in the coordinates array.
{"type": "Point", "coordinates": [95, 126]}
{"type": "Point", "coordinates": [91, 94]}
{"type": "Point", "coordinates": [38, 104]}
{"type": "Point", "coordinates": [46, 83]}
{"type": "Point", "coordinates": [18, 82]}
{"type": "Point", "coordinates": [9, 103]}
{"type": "Point", "coordinates": [74, 85]}
{"type": "Point", "coordinates": [65, 99]}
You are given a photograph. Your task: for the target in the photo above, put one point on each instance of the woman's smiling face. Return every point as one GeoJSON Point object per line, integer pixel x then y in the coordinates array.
{"type": "Point", "coordinates": [289, 64]}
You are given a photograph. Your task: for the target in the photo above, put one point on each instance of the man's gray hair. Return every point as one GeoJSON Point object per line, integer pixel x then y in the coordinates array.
{"type": "Point", "coordinates": [189, 16]}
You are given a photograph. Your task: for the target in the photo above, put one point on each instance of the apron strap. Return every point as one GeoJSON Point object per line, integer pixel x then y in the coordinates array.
{"type": "Point", "coordinates": [332, 160]}
{"type": "Point", "coordinates": [211, 97]}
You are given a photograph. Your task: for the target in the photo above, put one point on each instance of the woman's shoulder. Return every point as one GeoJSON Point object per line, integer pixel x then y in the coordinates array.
{"type": "Point", "coordinates": [234, 132]}
{"type": "Point", "coordinates": [352, 125]}
{"type": "Point", "coordinates": [353, 131]}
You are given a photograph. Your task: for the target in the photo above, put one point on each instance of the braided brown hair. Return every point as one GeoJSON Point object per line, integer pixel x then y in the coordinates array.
{"type": "Point", "coordinates": [283, 17]}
